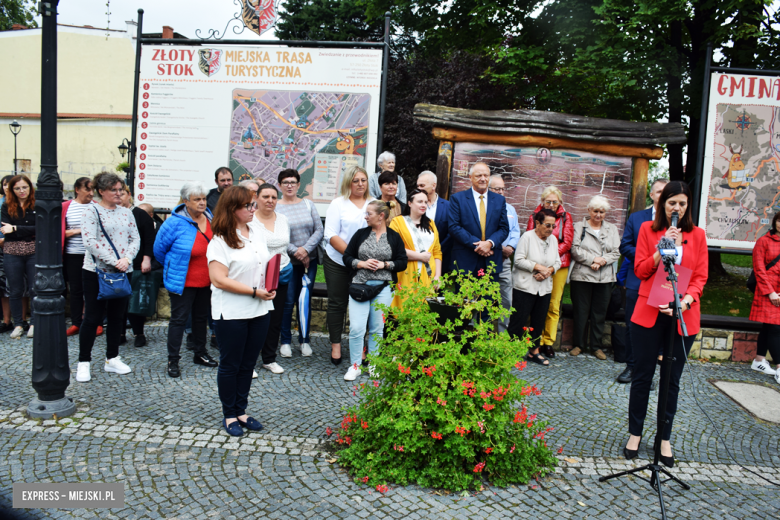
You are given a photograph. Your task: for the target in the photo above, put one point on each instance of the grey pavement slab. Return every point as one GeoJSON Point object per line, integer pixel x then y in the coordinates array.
{"type": "Point", "coordinates": [161, 437]}
{"type": "Point", "coordinates": [762, 401]}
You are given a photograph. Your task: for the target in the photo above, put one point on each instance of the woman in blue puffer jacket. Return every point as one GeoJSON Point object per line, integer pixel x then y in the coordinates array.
{"type": "Point", "coordinates": [180, 247]}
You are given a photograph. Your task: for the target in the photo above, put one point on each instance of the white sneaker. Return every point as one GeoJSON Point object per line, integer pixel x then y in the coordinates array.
{"type": "Point", "coordinates": [17, 333]}
{"type": "Point", "coordinates": [305, 350]}
{"type": "Point", "coordinates": [777, 376]}
{"type": "Point", "coordinates": [30, 332]}
{"type": "Point", "coordinates": [285, 351]}
{"type": "Point", "coordinates": [274, 368]}
{"type": "Point", "coordinates": [82, 372]}
{"type": "Point", "coordinates": [353, 373]}
{"type": "Point", "coordinates": [254, 374]}
{"type": "Point", "coordinates": [115, 365]}
{"type": "Point", "coordinates": [764, 367]}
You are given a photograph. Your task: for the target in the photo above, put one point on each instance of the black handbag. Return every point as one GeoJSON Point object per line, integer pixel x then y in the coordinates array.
{"type": "Point", "coordinates": [362, 292]}
{"type": "Point", "coordinates": [751, 281]}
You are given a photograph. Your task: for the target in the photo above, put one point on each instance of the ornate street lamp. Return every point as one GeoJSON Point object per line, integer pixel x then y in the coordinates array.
{"type": "Point", "coordinates": [50, 367]}
{"type": "Point", "coordinates": [15, 129]}
{"type": "Point", "coordinates": [125, 146]}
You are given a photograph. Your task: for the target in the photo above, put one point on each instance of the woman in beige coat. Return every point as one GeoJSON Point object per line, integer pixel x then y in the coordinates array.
{"type": "Point", "coordinates": [594, 252]}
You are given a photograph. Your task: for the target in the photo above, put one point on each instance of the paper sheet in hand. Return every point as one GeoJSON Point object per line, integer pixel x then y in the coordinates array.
{"type": "Point", "coordinates": [661, 293]}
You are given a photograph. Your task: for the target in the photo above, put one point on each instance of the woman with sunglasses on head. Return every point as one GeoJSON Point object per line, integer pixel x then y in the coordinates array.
{"type": "Point", "coordinates": [536, 261]}
{"type": "Point", "coordinates": [346, 215]}
{"type": "Point", "coordinates": [552, 198]}
{"type": "Point", "coordinates": [111, 241]}
{"type": "Point", "coordinates": [652, 326]}
{"type": "Point", "coordinates": [17, 223]}
{"type": "Point", "coordinates": [306, 233]}
{"type": "Point", "coordinates": [595, 251]}
{"type": "Point", "coordinates": [240, 305]}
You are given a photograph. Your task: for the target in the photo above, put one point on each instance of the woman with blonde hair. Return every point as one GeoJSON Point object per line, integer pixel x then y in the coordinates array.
{"type": "Point", "coordinates": [345, 216]}
{"type": "Point", "coordinates": [552, 199]}
{"type": "Point", "coordinates": [595, 252]}
{"type": "Point", "coordinates": [421, 241]}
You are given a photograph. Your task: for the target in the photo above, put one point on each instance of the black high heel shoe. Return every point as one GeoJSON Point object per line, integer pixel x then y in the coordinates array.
{"type": "Point", "coordinates": [336, 361]}
{"type": "Point", "coordinates": [666, 461]}
{"type": "Point", "coordinates": [631, 454]}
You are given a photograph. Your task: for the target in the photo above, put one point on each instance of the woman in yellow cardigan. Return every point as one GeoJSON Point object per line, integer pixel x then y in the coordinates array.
{"type": "Point", "coordinates": [421, 240]}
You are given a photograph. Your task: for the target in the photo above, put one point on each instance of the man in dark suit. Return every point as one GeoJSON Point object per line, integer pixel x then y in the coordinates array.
{"type": "Point", "coordinates": [438, 211]}
{"type": "Point", "coordinates": [628, 249]}
{"type": "Point", "coordinates": [477, 224]}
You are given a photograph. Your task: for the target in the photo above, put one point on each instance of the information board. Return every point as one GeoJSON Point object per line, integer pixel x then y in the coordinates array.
{"type": "Point", "coordinates": [257, 110]}
{"type": "Point", "coordinates": [740, 179]}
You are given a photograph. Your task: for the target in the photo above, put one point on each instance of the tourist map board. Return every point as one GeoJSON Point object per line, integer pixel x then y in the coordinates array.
{"type": "Point", "coordinates": [741, 179]}
{"type": "Point", "coordinates": [257, 110]}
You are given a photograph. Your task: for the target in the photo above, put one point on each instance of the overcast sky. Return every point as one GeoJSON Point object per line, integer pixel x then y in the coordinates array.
{"type": "Point", "coordinates": [185, 16]}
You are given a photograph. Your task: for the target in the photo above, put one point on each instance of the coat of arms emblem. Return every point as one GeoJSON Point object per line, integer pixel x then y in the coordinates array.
{"type": "Point", "coordinates": [210, 61]}
{"type": "Point", "coordinates": [259, 15]}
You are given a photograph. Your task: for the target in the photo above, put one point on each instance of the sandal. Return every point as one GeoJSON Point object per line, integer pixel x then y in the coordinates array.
{"type": "Point", "coordinates": [538, 359]}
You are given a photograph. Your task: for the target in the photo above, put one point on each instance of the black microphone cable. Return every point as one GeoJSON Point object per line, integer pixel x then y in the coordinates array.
{"type": "Point", "coordinates": [717, 431]}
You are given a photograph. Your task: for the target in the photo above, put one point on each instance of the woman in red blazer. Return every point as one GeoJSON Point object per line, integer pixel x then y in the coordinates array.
{"type": "Point", "coordinates": [651, 325]}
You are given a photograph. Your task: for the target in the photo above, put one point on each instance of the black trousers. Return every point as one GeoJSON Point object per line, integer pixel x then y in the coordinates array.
{"type": "Point", "coordinates": [94, 310]}
{"type": "Point", "coordinates": [195, 302]}
{"type": "Point", "coordinates": [769, 340]}
{"type": "Point", "coordinates": [338, 279]}
{"type": "Point", "coordinates": [525, 305]}
{"type": "Point", "coordinates": [239, 345]}
{"type": "Point", "coordinates": [645, 346]}
{"type": "Point", "coordinates": [72, 265]}
{"type": "Point", "coordinates": [275, 327]}
{"type": "Point", "coordinates": [589, 302]}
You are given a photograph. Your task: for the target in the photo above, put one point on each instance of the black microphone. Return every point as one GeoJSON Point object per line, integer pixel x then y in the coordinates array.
{"type": "Point", "coordinates": [675, 218]}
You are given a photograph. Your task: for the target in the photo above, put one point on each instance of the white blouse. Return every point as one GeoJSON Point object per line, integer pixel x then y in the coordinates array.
{"type": "Point", "coordinates": [246, 265]}
{"type": "Point", "coordinates": [342, 220]}
{"type": "Point", "coordinates": [276, 240]}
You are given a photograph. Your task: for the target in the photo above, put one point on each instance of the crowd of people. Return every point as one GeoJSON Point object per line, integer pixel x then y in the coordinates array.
{"type": "Point", "coordinates": [212, 250]}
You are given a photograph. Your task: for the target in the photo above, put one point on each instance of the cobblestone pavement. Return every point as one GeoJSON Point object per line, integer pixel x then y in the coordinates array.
{"type": "Point", "coordinates": [162, 438]}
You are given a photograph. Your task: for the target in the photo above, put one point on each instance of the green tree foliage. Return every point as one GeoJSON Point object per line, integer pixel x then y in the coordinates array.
{"type": "Point", "coordinates": [16, 11]}
{"type": "Point", "coordinates": [328, 20]}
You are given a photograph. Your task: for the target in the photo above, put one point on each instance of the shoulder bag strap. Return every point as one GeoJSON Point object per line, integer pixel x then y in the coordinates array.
{"type": "Point", "coordinates": [771, 264]}
{"type": "Point", "coordinates": [560, 229]}
{"type": "Point", "coordinates": [100, 221]}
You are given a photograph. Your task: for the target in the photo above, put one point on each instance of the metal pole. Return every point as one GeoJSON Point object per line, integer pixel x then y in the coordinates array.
{"type": "Point", "coordinates": [50, 370]}
{"type": "Point", "coordinates": [383, 94]}
{"type": "Point", "coordinates": [15, 154]}
{"type": "Point", "coordinates": [705, 99]}
{"type": "Point", "coordinates": [134, 122]}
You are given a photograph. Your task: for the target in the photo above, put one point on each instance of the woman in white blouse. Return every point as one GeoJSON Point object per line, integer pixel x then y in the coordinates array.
{"type": "Point", "coordinates": [346, 214]}
{"type": "Point", "coordinates": [536, 260]}
{"type": "Point", "coordinates": [274, 228]}
{"type": "Point", "coordinates": [240, 305]}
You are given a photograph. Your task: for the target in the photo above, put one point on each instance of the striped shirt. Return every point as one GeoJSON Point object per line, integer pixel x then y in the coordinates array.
{"type": "Point", "coordinates": [74, 245]}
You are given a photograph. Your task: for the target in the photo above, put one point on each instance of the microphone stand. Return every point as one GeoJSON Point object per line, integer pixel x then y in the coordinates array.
{"type": "Point", "coordinates": [655, 468]}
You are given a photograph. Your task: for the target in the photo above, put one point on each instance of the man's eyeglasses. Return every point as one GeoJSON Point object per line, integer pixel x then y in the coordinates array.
{"type": "Point", "coordinates": [551, 203]}
{"type": "Point", "coordinates": [497, 190]}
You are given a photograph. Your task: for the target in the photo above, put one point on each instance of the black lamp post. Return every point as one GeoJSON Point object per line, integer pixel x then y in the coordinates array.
{"type": "Point", "coordinates": [50, 370]}
{"type": "Point", "coordinates": [15, 129]}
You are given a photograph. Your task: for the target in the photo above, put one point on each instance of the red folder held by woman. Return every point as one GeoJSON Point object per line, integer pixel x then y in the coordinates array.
{"type": "Point", "coordinates": [272, 273]}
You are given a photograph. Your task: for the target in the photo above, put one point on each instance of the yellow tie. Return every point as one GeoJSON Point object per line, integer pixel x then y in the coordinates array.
{"type": "Point", "coordinates": [482, 215]}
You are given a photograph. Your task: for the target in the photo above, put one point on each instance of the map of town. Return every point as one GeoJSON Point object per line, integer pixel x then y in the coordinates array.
{"type": "Point", "coordinates": [274, 130]}
{"type": "Point", "coordinates": [744, 191]}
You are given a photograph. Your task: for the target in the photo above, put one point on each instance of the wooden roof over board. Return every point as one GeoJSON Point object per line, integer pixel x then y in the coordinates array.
{"type": "Point", "coordinates": [552, 124]}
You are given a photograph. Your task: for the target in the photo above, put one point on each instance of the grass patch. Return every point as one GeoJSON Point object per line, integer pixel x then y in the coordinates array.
{"type": "Point", "coordinates": [737, 260]}
{"type": "Point", "coordinates": [727, 296]}
{"type": "Point", "coordinates": [320, 278]}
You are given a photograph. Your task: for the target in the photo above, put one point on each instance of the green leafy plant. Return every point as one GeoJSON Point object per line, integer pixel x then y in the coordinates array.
{"type": "Point", "coordinates": [445, 406]}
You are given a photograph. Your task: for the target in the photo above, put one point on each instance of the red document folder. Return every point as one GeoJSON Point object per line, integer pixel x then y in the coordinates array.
{"type": "Point", "coordinates": [272, 273]}
{"type": "Point", "coordinates": [661, 293]}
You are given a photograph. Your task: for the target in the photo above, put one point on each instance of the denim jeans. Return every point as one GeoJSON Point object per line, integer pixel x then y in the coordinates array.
{"type": "Point", "coordinates": [359, 314]}
{"type": "Point", "coordinates": [293, 292]}
{"type": "Point", "coordinates": [15, 269]}
{"type": "Point", "coordinates": [271, 345]}
{"type": "Point", "coordinates": [240, 343]}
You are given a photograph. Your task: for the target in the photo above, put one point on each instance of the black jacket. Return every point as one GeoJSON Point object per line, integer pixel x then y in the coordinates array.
{"type": "Point", "coordinates": [25, 225]}
{"type": "Point", "coordinates": [396, 245]}
{"type": "Point", "coordinates": [147, 232]}
{"type": "Point", "coordinates": [212, 198]}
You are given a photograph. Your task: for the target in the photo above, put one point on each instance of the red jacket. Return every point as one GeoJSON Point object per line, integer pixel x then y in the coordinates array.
{"type": "Point", "coordinates": [767, 248]}
{"type": "Point", "coordinates": [694, 257]}
{"type": "Point", "coordinates": [565, 241]}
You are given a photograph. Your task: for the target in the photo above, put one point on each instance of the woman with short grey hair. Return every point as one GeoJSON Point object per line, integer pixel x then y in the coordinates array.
{"type": "Point", "coordinates": [385, 163]}
{"type": "Point", "coordinates": [180, 247]}
{"type": "Point", "coordinates": [595, 252]}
